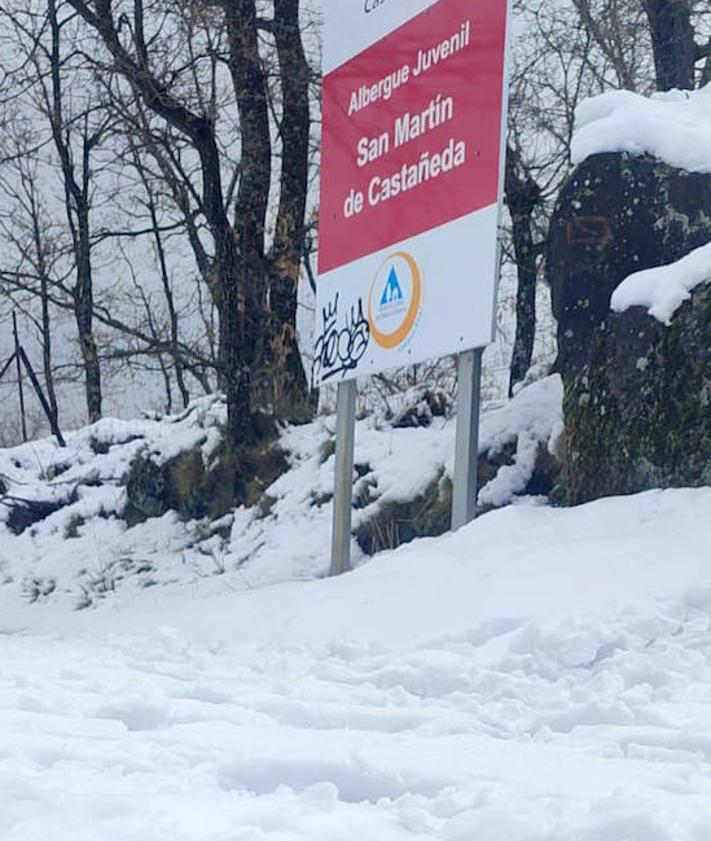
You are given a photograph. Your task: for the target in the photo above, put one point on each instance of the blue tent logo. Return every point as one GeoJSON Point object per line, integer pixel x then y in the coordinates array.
{"type": "Point", "coordinates": [395, 300]}
{"type": "Point", "coordinates": [392, 293]}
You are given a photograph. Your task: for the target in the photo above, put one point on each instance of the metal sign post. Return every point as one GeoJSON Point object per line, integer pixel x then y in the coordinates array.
{"type": "Point", "coordinates": [467, 445]}
{"type": "Point", "coordinates": [343, 491]}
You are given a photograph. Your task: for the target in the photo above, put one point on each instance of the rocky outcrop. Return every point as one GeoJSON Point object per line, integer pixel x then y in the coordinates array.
{"type": "Point", "coordinates": [429, 514]}
{"type": "Point", "coordinates": [637, 393]}
{"type": "Point", "coordinates": [194, 490]}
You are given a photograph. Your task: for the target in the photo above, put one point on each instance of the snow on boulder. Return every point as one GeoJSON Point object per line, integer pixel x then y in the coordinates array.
{"type": "Point", "coordinates": [533, 421]}
{"type": "Point", "coordinates": [662, 290]}
{"type": "Point", "coordinates": [674, 127]}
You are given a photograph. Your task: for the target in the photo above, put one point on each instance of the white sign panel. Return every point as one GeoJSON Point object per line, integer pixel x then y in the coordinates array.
{"type": "Point", "coordinates": [411, 181]}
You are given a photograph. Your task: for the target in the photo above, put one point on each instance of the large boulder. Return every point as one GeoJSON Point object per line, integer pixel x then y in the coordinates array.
{"type": "Point", "coordinates": [637, 392]}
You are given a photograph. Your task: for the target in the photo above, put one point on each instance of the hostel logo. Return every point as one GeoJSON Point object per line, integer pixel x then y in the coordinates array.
{"type": "Point", "coordinates": [395, 300]}
{"type": "Point", "coordinates": [392, 294]}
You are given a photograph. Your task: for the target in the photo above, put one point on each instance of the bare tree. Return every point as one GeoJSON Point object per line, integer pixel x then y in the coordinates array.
{"type": "Point", "coordinates": [523, 196]}
{"type": "Point", "coordinates": [78, 201]}
{"type": "Point", "coordinates": [289, 386]}
{"type": "Point", "coordinates": [29, 230]}
{"type": "Point", "coordinates": [238, 264]}
{"type": "Point", "coordinates": [673, 42]}
{"type": "Point", "coordinates": [45, 69]}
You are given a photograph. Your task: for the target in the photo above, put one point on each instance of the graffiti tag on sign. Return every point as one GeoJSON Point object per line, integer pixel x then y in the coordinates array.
{"type": "Point", "coordinates": [342, 343]}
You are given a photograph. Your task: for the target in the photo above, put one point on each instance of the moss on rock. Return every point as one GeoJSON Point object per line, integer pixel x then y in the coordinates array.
{"type": "Point", "coordinates": [195, 490]}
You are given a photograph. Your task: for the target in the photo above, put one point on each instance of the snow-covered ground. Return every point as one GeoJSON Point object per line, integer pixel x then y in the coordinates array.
{"type": "Point", "coordinates": [543, 675]}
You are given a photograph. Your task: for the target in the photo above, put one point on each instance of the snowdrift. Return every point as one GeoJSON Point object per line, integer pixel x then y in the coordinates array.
{"type": "Point", "coordinates": [542, 675]}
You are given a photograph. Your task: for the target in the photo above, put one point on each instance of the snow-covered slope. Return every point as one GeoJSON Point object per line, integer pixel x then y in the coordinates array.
{"type": "Point", "coordinates": [85, 551]}
{"type": "Point", "coordinates": [543, 675]}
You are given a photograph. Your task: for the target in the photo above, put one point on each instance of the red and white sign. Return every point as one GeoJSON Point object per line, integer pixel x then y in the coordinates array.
{"type": "Point", "coordinates": [411, 181]}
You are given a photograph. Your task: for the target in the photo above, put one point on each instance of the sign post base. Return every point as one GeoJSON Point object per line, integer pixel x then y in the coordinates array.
{"type": "Point", "coordinates": [467, 447]}
{"type": "Point", "coordinates": [343, 495]}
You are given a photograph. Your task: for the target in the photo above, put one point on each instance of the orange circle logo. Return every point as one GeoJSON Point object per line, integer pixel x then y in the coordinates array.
{"type": "Point", "coordinates": [395, 299]}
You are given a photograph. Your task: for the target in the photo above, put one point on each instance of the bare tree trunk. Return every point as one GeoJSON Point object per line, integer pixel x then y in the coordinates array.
{"type": "Point", "coordinates": [20, 387]}
{"type": "Point", "coordinates": [40, 261]}
{"type": "Point", "coordinates": [167, 288]}
{"type": "Point", "coordinates": [673, 43]}
{"type": "Point", "coordinates": [47, 354]}
{"type": "Point", "coordinates": [77, 203]}
{"type": "Point", "coordinates": [706, 72]}
{"type": "Point", "coordinates": [522, 198]}
{"type": "Point", "coordinates": [288, 378]}
{"type": "Point", "coordinates": [84, 311]}
{"type": "Point", "coordinates": [46, 330]}
{"type": "Point", "coordinates": [244, 300]}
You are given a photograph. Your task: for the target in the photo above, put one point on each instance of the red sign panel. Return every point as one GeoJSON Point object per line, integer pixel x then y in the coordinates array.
{"type": "Point", "coordinates": [412, 130]}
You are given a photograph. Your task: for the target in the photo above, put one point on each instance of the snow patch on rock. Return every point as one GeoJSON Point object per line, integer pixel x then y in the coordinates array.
{"type": "Point", "coordinates": [536, 416]}
{"type": "Point", "coordinates": [662, 290]}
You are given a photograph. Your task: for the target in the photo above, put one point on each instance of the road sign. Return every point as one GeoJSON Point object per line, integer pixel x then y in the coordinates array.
{"type": "Point", "coordinates": [411, 181]}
